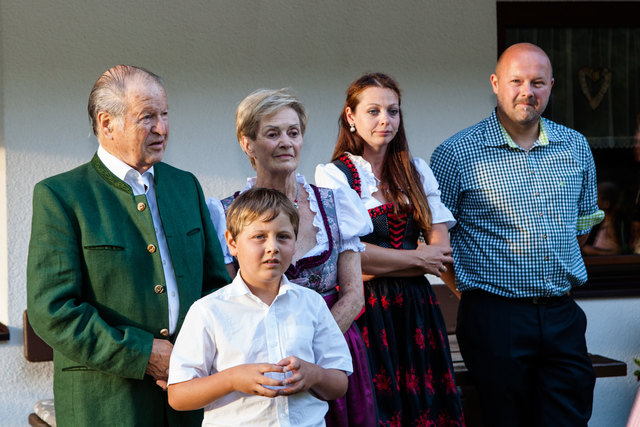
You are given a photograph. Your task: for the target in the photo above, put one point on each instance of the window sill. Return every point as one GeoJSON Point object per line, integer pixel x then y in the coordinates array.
{"type": "Point", "coordinates": [611, 276]}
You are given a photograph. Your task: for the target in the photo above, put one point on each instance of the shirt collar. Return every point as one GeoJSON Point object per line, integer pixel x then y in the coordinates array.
{"type": "Point", "coordinates": [117, 166]}
{"type": "Point", "coordinates": [543, 137]}
{"type": "Point", "coordinates": [238, 287]}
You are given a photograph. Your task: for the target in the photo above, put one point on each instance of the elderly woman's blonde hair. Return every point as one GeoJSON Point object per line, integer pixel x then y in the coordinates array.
{"type": "Point", "coordinates": [263, 103]}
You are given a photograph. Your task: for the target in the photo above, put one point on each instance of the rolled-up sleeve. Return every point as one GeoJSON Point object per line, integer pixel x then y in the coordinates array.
{"type": "Point", "coordinates": [588, 212]}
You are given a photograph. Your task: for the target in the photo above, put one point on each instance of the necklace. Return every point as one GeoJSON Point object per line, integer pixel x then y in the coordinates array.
{"type": "Point", "coordinates": [295, 201]}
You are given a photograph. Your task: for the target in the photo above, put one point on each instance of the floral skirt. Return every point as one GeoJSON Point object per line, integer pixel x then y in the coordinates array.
{"type": "Point", "coordinates": [357, 407]}
{"type": "Point", "coordinates": [409, 355]}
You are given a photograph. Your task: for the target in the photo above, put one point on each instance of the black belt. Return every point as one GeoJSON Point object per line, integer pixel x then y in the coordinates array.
{"type": "Point", "coordinates": [523, 300]}
{"type": "Point", "coordinates": [544, 300]}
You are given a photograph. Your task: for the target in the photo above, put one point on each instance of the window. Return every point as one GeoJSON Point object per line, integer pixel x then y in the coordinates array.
{"type": "Point", "coordinates": [594, 48]}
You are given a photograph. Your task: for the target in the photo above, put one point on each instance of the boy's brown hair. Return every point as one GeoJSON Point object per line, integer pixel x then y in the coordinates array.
{"type": "Point", "coordinates": [260, 204]}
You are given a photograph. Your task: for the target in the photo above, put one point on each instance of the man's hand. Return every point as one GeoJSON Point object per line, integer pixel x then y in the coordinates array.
{"type": "Point", "coordinates": [158, 366]}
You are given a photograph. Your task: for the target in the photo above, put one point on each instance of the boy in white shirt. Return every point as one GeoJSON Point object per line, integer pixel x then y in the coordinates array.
{"type": "Point", "coordinates": [261, 350]}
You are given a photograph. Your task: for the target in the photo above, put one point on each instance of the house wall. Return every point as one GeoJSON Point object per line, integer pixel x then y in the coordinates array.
{"type": "Point", "coordinates": [212, 54]}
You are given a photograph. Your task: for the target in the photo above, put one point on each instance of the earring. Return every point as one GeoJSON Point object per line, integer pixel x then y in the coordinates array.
{"type": "Point", "coordinates": [352, 129]}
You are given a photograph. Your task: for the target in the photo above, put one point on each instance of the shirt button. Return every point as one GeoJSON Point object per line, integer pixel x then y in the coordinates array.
{"type": "Point", "coordinates": [158, 289]}
{"type": "Point", "coordinates": [151, 248]}
{"type": "Point", "coordinates": [141, 206]}
{"type": "Point", "coordinates": [173, 294]}
{"type": "Point", "coordinates": [164, 262]}
{"type": "Point", "coordinates": [164, 332]}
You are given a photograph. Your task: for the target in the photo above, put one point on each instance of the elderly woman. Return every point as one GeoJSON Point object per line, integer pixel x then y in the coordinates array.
{"type": "Point", "coordinates": [269, 126]}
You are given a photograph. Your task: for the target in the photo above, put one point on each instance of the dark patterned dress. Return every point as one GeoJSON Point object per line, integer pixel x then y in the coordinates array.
{"type": "Point", "coordinates": [320, 273]}
{"type": "Point", "coordinates": [404, 332]}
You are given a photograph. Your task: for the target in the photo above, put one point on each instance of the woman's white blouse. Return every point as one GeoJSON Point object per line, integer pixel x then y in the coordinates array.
{"type": "Point", "coordinates": [328, 175]}
{"type": "Point", "coordinates": [353, 219]}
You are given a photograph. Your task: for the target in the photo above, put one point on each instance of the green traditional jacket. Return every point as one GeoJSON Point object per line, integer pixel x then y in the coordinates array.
{"type": "Point", "coordinates": [92, 288]}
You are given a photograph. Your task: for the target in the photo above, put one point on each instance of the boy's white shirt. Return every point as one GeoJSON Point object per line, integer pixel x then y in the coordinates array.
{"type": "Point", "coordinates": [232, 327]}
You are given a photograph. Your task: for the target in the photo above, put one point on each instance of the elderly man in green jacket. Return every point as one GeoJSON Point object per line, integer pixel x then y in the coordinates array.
{"type": "Point", "coordinates": [120, 248]}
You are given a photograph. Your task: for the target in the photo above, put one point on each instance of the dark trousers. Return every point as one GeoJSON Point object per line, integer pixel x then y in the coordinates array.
{"type": "Point", "coordinates": [528, 359]}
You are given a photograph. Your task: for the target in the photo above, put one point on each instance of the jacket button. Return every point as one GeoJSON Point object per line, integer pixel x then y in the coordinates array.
{"type": "Point", "coordinates": [158, 289]}
{"type": "Point", "coordinates": [164, 332]}
{"type": "Point", "coordinates": [141, 206]}
{"type": "Point", "coordinates": [151, 248]}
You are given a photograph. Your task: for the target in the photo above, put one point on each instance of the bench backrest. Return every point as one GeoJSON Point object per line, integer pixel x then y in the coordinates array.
{"type": "Point", "coordinates": [35, 350]}
{"type": "Point", "coordinates": [448, 305]}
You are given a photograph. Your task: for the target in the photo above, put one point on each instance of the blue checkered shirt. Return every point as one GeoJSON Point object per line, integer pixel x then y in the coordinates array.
{"type": "Point", "coordinates": [519, 212]}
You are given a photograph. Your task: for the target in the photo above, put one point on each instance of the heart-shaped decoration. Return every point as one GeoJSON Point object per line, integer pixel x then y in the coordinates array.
{"type": "Point", "coordinates": [594, 74]}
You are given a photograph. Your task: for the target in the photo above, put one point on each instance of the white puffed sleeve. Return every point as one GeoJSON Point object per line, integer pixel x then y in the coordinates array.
{"type": "Point", "coordinates": [219, 219]}
{"type": "Point", "coordinates": [329, 176]}
{"type": "Point", "coordinates": [439, 211]}
{"type": "Point", "coordinates": [353, 219]}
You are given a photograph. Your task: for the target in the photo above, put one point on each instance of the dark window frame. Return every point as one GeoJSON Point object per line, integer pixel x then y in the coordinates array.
{"type": "Point", "coordinates": [609, 276]}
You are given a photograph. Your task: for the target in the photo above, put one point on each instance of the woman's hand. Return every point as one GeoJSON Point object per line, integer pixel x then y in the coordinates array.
{"type": "Point", "coordinates": [431, 259]}
{"type": "Point", "coordinates": [378, 261]}
{"type": "Point", "coordinates": [426, 258]}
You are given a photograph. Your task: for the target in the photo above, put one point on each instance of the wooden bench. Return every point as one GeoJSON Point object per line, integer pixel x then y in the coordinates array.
{"type": "Point", "coordinates": [35, 350]}
{"type": "Point", "coordinates": [602, 366]}
{"type": "Point", "coordinates": [5, 335]}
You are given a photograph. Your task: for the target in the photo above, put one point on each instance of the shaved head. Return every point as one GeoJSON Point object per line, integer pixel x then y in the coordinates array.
{"type": "Point", "coordinates": [521, 49]}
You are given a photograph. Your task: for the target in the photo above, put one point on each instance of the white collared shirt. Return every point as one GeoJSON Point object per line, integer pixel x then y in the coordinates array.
{"type": "Point", "coordinates": [144, 184]}
{"type": "Point", "coordinates": [232, 327]}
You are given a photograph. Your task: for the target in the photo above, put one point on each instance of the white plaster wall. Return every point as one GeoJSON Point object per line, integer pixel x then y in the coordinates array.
{"type": "Point", "coordinates": [212, 54]}
{"type": "Point", "coordinates": [613, 329]}
{"type": "Point", "coordinates": [3, 207]}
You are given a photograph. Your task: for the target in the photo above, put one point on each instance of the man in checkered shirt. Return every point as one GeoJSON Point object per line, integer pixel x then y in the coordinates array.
{"type": "Point", "coordinates": [523, 190]}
